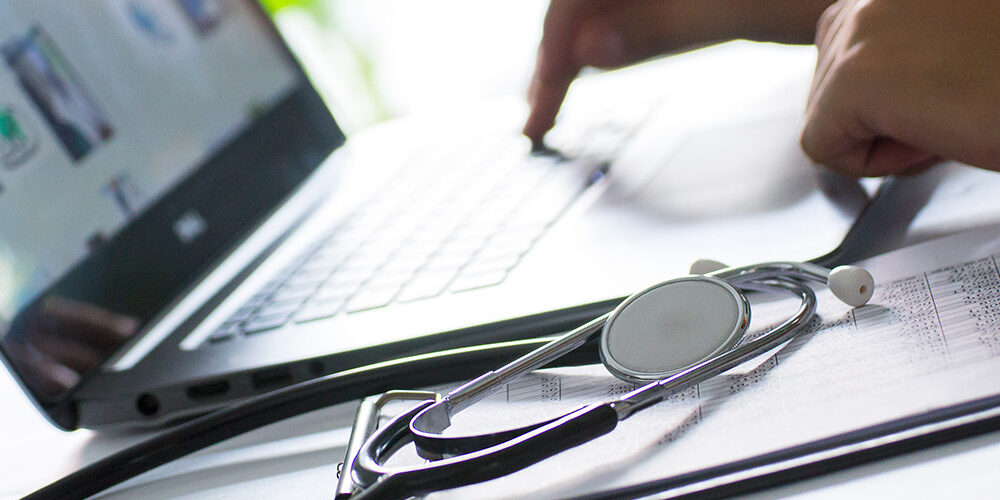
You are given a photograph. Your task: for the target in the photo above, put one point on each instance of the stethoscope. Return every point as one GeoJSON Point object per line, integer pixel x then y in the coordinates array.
{"type": "Point", "coordinates": [669, 337]}
{"type": "Point", "coordinates": [638, 324]}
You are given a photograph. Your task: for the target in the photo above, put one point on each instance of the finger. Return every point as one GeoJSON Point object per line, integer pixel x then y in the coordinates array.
{"type": "Point", "coordinates": [613, 34]}
{"type": "Point", "coordinates": [74, 355]}
{"type": "Point", "coordinates": [888, 156]}
{"type": "Point", "coordinates": [545, 97]}
{"type": "Point", "coordinates": [42, 373]}
{"type": "Point", "coordinates": [603, 43]}
{"type": "Point", "coordinates": [829, 44]}
{"type": "Point", "coordinates": [555, 67]}
{"type": "Point", "coordinates": [850, 161]}
{"type": "Point", "coordinates": [832, 135]}
{"type": "Point", "coordinates": [90, 324]}
{"type": "Point", "coordinates": [829, 23]}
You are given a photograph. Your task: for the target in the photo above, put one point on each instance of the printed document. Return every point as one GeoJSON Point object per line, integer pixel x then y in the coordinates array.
{"type": "Point", "coordinates": [929, 338]}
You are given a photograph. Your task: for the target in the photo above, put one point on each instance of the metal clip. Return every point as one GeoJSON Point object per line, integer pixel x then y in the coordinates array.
{"type": "Point", "coordinates": [365, 422]}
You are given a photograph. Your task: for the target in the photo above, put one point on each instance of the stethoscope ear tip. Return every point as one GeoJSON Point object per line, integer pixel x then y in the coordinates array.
{"type": "Point", "coordinates": [853, 285]}
{"type": "Point", "coordinates": [705, 266]}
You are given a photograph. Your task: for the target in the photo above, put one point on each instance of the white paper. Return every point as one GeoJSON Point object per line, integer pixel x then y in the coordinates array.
{"type": "Point", "coordinates": [929, 338]}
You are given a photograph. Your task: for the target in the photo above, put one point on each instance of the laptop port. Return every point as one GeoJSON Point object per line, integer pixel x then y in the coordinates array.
{"type": "Point", "coordinates": [147, 404]}
{"type": "Point", "coordinates": [208, 390]}
{"type": "Point", "coordinates": [271, 378]}
{"type": "Point", "coordinates": [316, 368]}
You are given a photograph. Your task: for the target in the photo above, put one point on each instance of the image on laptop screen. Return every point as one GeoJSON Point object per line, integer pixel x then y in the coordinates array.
{"type": "Point", "coordinates": [105, 106]}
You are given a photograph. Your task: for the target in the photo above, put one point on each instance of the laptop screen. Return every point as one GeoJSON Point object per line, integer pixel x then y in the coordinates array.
{"type": "Point", "coordinates": [122, 125]}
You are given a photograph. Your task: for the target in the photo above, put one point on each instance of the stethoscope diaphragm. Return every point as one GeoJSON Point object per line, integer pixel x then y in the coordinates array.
{"type": "Point", "coordinates": [672, 326]}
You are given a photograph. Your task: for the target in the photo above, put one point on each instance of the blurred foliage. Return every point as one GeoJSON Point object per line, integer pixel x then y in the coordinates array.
{"type": "Point", "coordinates": [321, 10]}
{"type": "Point", "coordinates": [351, 92]}
{"type": "Point", "coordinates": [273, 6]}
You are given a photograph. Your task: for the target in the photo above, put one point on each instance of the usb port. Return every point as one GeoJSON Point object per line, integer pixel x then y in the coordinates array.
{"type": "Point", "coordinates": [208, 390]}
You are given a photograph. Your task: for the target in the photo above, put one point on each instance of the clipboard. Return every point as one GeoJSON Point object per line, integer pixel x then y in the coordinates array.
{"type": "Point", "coordinates": [809, 460]}
{"type": "Point", "coordinates": [884, 225]}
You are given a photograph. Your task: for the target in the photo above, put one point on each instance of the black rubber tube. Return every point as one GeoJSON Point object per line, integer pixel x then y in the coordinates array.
{"type": "Point", "coordinates": [405, 373]}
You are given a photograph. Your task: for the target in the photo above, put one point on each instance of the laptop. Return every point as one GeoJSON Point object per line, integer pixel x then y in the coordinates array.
{"type": "Point", "coordinates": [183, 224]}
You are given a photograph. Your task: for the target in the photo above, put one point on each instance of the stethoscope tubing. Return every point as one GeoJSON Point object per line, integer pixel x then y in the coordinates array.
{"type": "Point", "coordinates": [515, 449]}
{"type": "Point", "coordinates": [351, 385]}
{"type": "Point", "coordinates": [556, 436]}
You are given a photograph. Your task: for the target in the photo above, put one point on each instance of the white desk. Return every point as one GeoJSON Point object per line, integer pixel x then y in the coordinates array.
{"type": "Point", "coordinates": [299, 458]}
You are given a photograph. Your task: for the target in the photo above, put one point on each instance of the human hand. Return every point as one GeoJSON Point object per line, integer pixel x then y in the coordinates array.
{"type": "Point", "coordinates": [900, 83]}
{"type": "Point", "coordinates": [615, 33]}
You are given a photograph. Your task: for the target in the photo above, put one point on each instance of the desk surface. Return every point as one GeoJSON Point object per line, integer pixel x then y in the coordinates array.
{"type": "Point", "coordinates": [300, 456]}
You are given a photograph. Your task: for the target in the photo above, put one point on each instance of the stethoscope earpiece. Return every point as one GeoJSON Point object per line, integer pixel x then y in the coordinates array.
{"type": "Point", "coordinates": [853, 285]}
{"type": "Point", "coordinates": [705, 266]}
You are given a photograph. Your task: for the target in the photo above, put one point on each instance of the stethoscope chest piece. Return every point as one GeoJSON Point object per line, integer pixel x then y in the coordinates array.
{"type": "Point", "coordinates": [673, 325]}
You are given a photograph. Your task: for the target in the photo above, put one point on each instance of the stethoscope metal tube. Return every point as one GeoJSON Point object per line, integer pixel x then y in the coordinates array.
{"type": "Point", "coordinates": [471, 459]}
{"type": "Point", "coordinates": [428, 424]}
{"type": "Point", "coordinates": [483, 385]}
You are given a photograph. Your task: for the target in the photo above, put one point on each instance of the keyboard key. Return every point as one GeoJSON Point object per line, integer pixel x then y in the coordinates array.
{"type": "Point", "coordinates": [280, 307]}
{"type": "Point", "coordinates": [514, 241]}
{"type": "Point", "coordinates": [388, 277]}
{"type": "Point", "coordinates": [346, 280]}
{"type": "Point", "coordinates": [227, 331]}
{"type": "Point", "coordinates": [269, 287]}
{"type": "Point", "coordinates": [333, 254]}
{"type": "Point", "coordinates": [543, 208]}
{"type": "Point", "coordinates": [371, 298]}
{"type": "Point", "coordinates": [318, 266]}
{"type": "Point", "coordinates": [495, 251]}
{"type": "Point", "coordinates": [459, 250]}
{"type": "Point", "coordinates": [363, 264]}
{"type": "Point", "coordinates": [426, 284]}
{"type": "Point", "coordinates": [404, 263]}
{"type": "Point", "coordinates": [332, 292]}
{"type": "Point", "coordinates": [488, 265]}
{"type": "Point", "coordinates": [294, 292]}
{"type": "Point", "coordinates": [304, 279]}
{"type": "Point", "coordinates": [315, 310]}
{"type": "Point", "coordinates": [259, 298]}
{"type": "Point", "coordinates": [471, 282]}
{"type": "Point", "coordinates": [446, 263]}
{"type": "Point", "coordinates": [242, 313]}
{"type": "Point", "coordinates": [262, 323]}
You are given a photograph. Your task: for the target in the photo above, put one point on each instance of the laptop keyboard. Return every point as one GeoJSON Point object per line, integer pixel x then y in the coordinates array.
{"type": "Point", "coordinates": [422, 235]}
